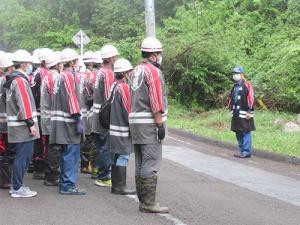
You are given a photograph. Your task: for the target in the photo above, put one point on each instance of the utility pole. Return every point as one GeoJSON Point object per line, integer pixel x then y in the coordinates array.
{"type": "Point", "coordinates": [150, 18]}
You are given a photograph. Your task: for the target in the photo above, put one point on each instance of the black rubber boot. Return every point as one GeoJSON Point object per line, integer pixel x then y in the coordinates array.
{"type": "Point", "coordinates": [118, 178]}
{"type": "Point", "coordinates": [51, 182]}
{"type": "Point", "coordinates": [148, 193]}
{"type": "Point", "coordinates": [138, 188]}
{"type": "Point", "coordinates": [5, 173]}
{"type": "Point", "coordinates": [39, 170]}
{"type": "Point", "coordinates": [52, 162]}
{"type": "Point", "coordinates": [38, 175]}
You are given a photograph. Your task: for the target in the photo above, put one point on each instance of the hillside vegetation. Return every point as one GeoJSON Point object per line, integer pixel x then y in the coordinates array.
{"type": "Point", "coordinates": [203, 40]}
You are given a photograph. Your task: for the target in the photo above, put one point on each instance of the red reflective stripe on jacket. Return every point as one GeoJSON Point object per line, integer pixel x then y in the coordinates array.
{"type": "Point", "coordinates": [125, 95]}
{"type": "Point", "coordinates": [50, 82]}
{"type": "Point", "coordinates": [94, 76]}
{"type": "Point", "coordinates": [30, 78]}
{"type": "Point", "coordinates": [24, 98]}
{"type": "Point", "coordinates": [154, 83]}
{"type": "Point", "coordinates": [43, 73]}
{"type": "Point", "coordinates": [108, 80]}
{"type": "Point", "coordinates": [70, 87]}
{"type": "Point", "coordinates": [250, 96]}
{"type": "Point", "coordinates": [88, 75]}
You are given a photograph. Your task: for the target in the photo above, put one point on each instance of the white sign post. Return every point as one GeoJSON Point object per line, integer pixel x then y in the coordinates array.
{"type": "Point", "coordinates": [81, 39]}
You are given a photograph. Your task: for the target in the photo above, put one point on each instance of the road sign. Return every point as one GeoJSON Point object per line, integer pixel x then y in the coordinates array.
{"type": "Point", "coordinates": [80, 39]}
{"type": "Point", "coordinates": [77, 38]}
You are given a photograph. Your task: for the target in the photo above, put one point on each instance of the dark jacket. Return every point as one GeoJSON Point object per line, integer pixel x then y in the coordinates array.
{"type": "Point", "coordinates": [3, 115]}
{"type": "Point", "coordinates": [103, 83]}
{"type": "Point", "coordinates": [120, 141]}
{"type": "Point", "coordinates": [148, 96]}
{"type": "Point", "coordinates": [240, 106]}
{"type": "Point", "coordinates": [21, 110]}
{"type": "Point", "coordinates": [65, 107]}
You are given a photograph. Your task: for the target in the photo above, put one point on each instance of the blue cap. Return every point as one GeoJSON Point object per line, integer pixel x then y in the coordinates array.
{"type": "Point", "coordinates": [238, 69]}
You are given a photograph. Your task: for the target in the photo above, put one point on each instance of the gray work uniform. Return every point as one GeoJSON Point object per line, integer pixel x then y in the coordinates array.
{"type": "Point", "coordinates": [65, 105]}
{"type": "Point", "coordinates": [148, 96]}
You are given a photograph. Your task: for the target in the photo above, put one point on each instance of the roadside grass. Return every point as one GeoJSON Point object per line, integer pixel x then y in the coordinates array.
{"type": "Point", "coordinates": [216, 124]}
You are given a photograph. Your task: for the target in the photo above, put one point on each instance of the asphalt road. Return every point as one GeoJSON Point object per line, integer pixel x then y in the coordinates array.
{"type": "Point", "coordinates": [201, 184]}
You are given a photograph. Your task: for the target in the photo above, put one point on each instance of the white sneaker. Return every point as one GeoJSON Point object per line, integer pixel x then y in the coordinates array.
{"type": "Point", "coordinates": [11, 190]}
{"type": "Point", "coordinates": [23, 192]}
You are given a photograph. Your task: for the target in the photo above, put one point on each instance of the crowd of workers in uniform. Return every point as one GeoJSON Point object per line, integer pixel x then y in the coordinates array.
{"type": "Point", "coordinates": [51, 108]}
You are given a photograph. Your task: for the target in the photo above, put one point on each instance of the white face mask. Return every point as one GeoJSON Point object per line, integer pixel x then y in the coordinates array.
{"type": "Point", "coordinates": [160, 60]}
{"type": "Point", "coordinates": [236, 77]}
{"type": "Point", "coordinates": [29, 69]}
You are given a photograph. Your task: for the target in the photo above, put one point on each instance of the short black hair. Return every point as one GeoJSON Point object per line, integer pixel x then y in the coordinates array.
{"type": "Point", "coordinates": [6, 69]}
{"type": "Point", "coordinates": [96, 65]}
{"type": "Point", "coordinates": [147, 55]}
{"type": "Point", "coordinates": [70, 63]}
{"type": "Point", "coordinates": [67, 64]}
{"type": "Point", "coordinates": [105, 61]}
{"type": "Point", "coordinates": [119, 76]}
{"type": "Point", "coordinates": [88, 63]}
{"type": "Point", "coordinates": [43, 64]}
{"type": "Point", "coordinates": [17, 65]}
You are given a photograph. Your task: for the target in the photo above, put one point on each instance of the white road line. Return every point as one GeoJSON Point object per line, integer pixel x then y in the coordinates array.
{"type": "Point", "coordinates": [168, 216]}
{"type": "Point", "coordinates": [184, 142]}
{"type": "Point", "coordinates": [273, 185]}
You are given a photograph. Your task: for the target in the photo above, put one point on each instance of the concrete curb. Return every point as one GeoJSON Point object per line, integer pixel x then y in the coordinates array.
{"type": "Point", "coordinates": [256, 152]}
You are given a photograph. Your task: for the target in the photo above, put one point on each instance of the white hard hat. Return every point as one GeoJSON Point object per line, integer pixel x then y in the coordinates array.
{"type": "Point", "coordinates": [36, 51]}
{"type": "Point", "coordinates": [42, 53]}
{"type": "Point", "coordinates": [108, 51]}
{"type": "Point", "coordinates": [68, 55]}
{"type": "Point", "coordinates": [151, 44]}
{"type": "Point", "coordinates": [2, 52]}
{"type": "Point", "coordinates": [10, 55]}
{"type": "Point", "coordinates": [22, 56]}
{"type": "Point", "coordinates": [88, 56]}
{"type": "Point", "coordinates": [5, 60]}
{"type": "Point", "coordinates": [35, 59]}
{"type": "Point", "coordinates": [97, 57]}
{"type": "Point", "coordinates": [52, 59]}
{"type": "Point", "coordinates": [122, 65]}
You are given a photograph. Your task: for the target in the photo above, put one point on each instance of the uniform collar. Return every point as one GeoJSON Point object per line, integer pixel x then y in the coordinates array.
{"type": "Point", "coordinates": [151, 62]}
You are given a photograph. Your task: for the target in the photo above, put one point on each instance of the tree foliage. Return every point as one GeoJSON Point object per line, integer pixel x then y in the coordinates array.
{"type": "Point", "coordinates": [207, 38]}
{"type": "Point", "coordinates": [203, 40]}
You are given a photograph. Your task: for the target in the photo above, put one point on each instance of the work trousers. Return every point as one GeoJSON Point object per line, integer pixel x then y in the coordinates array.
{"type": "Point", "coordinates": [148, 159]}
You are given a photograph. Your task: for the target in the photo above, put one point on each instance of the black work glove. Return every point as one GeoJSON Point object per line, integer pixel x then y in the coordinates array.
{"type": "Point", "coordinates": [29, 122]}
{"type": "Point", "coordinates": [161, 132]}
{"type": "Point", "coordinates": [79, 127]}
{"type": "Point", "coordinates": [79, 123]}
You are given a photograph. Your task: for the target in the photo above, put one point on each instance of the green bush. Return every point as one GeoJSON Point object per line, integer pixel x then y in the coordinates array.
{"type": "Point", "coordinates": [203, 40]}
